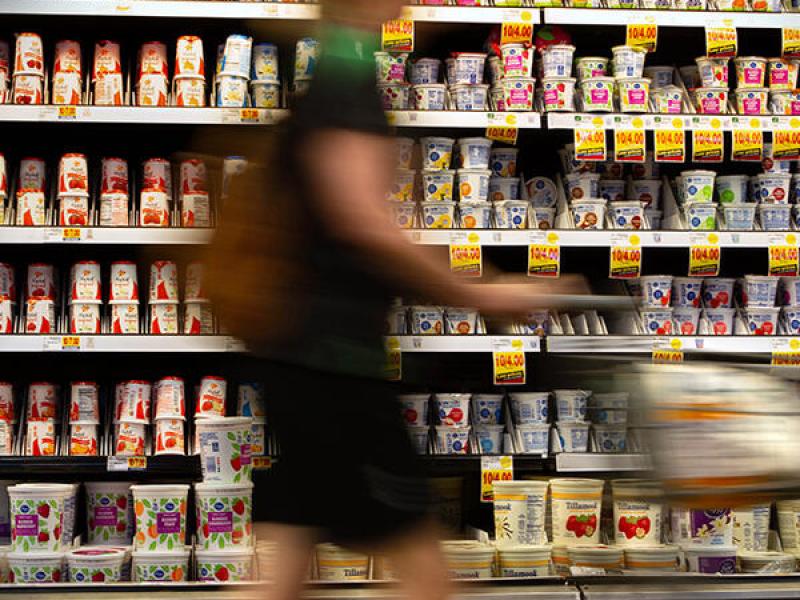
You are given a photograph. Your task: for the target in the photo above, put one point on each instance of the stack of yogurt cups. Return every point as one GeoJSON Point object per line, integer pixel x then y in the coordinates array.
{"type": "Point", "coordinates": [305, 63]}
{"type": "Point", "coordinates": [555, 74]}
{"type": "Point", "coordinates": [85, 297]}
{"type": "Point", "coordinates": [152, 84]}
{"type": "Point", "coordinates": [609, 415]}
{"type": "Point", "coordinates": [695, 193]}
{"type": "Point", "coordinates": [465, 80]}
{"type": "Point", "coordinates": [416, 412]}
{"type": "Point", "coordinates": [67, 85]}
{"type": "Point", "coordinates": [8, 420]}
{"type": "Point", "coordinates": [41, 295]}
{"type": "Point", "coordinates": [511, 74]}
{"type": "Point", "coordinates": [633, 89]}
{"type": "Point", "coordinates": [123, 298]}
{"type": "Point", "coordinates": [31, 201]}
{"type": "Point", "coordinates": [758, 294]}
{"type": "Point", "coordinates": [224, 550]}
{"type": "Point", "coordinates": [42, 418]}
{"type": "Point", "coordinates": [265, 84]}
{"type": "Point", "coordinates": [488, 416]}
{"type": "Point", "coordinates": [453, 423]}
{"type": "Point", "coordinates": [530, 411]}
{"type": "Point", "coordinates": [477, 182]}
{"type": "Point", "coordinates": [250, 404]}
{"type": "Point", "coordinates": [107, 84]}
{"type": "Point", "coordinates": [395, 91]}
{"type": "Point", "coordinates": [198, 315]}
{"type": "Point", "coordinates": [572, 426]}
{"type": "Point", "coordinates": [28, 79]}
{"type": "Point", "coordinates": [84, 418]}
{"type": "Point", "coordinates": [233, 71]}
{"type": "Point", "coordinates": [189, 84]}
{"type": "Point", "coordinates": [8, 298]}
{"type": "Point", "coordinates": [73, 190]}
{"type": "Point", "coordinates": [164, 298]}
{"type": "Point", "coordinates": [132, 410]}
{"type": "Point", "coordinates": [427, 92]}
{"type": "Point", "coordinates": [705, 537]}
{"type": "Point", "coordinates": [169, 395]}
{"type": "Point", "coordinates": [114, 193]}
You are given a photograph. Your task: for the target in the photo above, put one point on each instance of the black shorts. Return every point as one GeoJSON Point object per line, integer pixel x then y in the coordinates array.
{"type": "Point", "coordinates": [346, 462]}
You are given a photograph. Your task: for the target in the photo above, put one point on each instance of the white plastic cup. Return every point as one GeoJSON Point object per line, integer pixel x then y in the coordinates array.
{"type": "Point", "coordinates": [790, 291]}
{"type": "Point", "coordinates": [731, 189]}
{"type": "Point", "coordinates": [511, 214]}
{"type": "Point", "coordinates": [627, 214]}
{"type": "Point", "coordinates": [750, 71]}
{"type": "Point", "coordinates": [224, 516]}
{"type": "Point", "coordinates": [576, 505]}
{"type": "Point", "coordinates": [518, 94]}
{"type": "Point", "coordinates": [474, 153]}
{"type": "Point", "coordinates": [437, 152]}
{"type": "Point", "coordinates": [475, 215]}
{"type": "Point", "coordinates": [720, 320]}
{"type": "Point", "coordinates": [713, 71]}
{"type": "Point", "coordinates": [487, 409]}
{"type": "Point", "coordinates": [37, 517]}
{"type": "Point", "coordinates": [628, 61]}
{"type": "Point", "coordinates": [438, 185]}
{"type": "Point", "coordinates": [467, 68]}
{"type": "Point", "coordinates": [453, 409]}
{"type": "Point", "coordinates": [571, 405]}
{"type": "Point", "coordinates": [634, 93]}
{"type": "Point", "coordinates": [225, 449]}
{"type": "Point", "coordinates": [453, 440]}
{"type": "Point", "coordinates": [427, 320]}
{"type": "Point", "coordinates": [503, 161]}
{"type": "Point", "coordinates": [535, 438]}
{"type": "Point", "coordinates": [773, 187]}
{"type": "Point", "coordinates": [415, 409]}
{"type": "Point", "coordinates": [529, 407]}
{"type": "Point", "coordinates": [647, 191]}
{"type": "Point", "coordinates": [558, 93]}
{"type": "Point", "coordinates": [425, 71]}
{"type": "Point", "coordinates": [698, 185]}
{"type": "Point", "coordinates": [517, 60]}
{"type": "Point", "coordinates": [718, 292]}
{"type": "Point", "coordinates": [656, 290]}
{"type": "Point", "coordinates": [739, 217]}
{"type": "Point", "coordinates": [503, 188]}
{"type": "Point", "coordinates": [591, 66]}
{"type": "Point", "coordinates": [612, 190]}
{"type": "Point", "coordinates": [470, 97]}
{"type": "Point", "coordinates": [701, 216]}
{"type": "Point", "coordinates": [582, 186]}
{"type": "Point", "coordinates": [438, 214]}
{"type": "Point", "coordinates": [589, 214]}
{"type": "Point", "coordinates": [775, 217]}
{"type": "Point", "coordinates": [429, 96]}
{"type": "Point", "coordinates": [490, 438]}
{"type": "Point", "coordinates": [652, 558]}
{"type": "Point", "coordinates": [610, 408]}
{"type": "Point", "coordinates": [660, 76]}
{"type": "Point", "coordinates": [686, 291]}
{"type": "Point", "coordinates": [519, 512]}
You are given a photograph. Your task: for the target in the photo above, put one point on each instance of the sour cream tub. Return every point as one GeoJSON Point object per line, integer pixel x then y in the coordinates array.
{"type": "Point", "coordinates": [752, 101]}
{"type": "Point", "coordinates": [576, 510]}
{"type": "Point", "coordinates": [633, 94]}
{"type": "Point", "coordinates": [750, 71]}
{"type": "Point", "coordinates": [468, 560]}
{"type": "Point", "coordinates": [654, 558]}
{"type": "Point", "coordinates": [559, 93]}
{"type": "Point", "coordinates": [524, 561]}
{"type": "Point", "coordinates": [438, 185]}
{"type": "Point", "coordinates": [713, 71]}
{"type": "Point", "coordinates": [535, 438]}
{"type": "Point", "coordinates": [628, 61]}
{"type": "Point", "coordinates": [591, 66]}
{"type": "Point", "coordinates": [519, 512]}
{"type": "Point", "coordinates": [475, 215]}
{"type": "Point", "coordinates": [628, 214]}
{"type": "Point", "coordinates": [437, 152]}
{"type": "Point", "coordinates": [597, 94]}
{"type": "Point", "coordinates": [711, 101]}
{"type": "Point", "coordinates": [589, 214]}
{"type": "Point", "coordinates": [711, 560]}
{"type": "Point", "coordinates": [518, 94]}
{"type": "Point", "coordinates": [429, 96]}
{"type": "Point", "coordinates": [557, 60]}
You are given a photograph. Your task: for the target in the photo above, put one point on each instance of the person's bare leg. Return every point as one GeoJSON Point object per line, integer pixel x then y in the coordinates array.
{"type": "Point", "coordinates": [290, 565]}
{"type": "Point", "coordinates": [418, 560]}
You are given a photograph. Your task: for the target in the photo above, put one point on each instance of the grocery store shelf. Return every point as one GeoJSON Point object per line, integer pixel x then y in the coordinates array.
{"type": "Point", "coordinates": [652, 122]}
{"type": "Point", "coordinates": [464, 343]}
{"type": "Point", "coordinates": [670, 18]}
{"type": "Point", "coordinates": [169, 115]}
{"type": "Point", "coordinates": [574, 238]}
{"type": "Point", "coordinates": [104, 235]}
{"type": "Point", "coordinates": [89, 468]}
{"type": "Point", "coordinates": [119, 343]}
{"type": "Point", "coordinates": [463, 119]}
{"type": "Point", "coordinates": [638, 344]}
{"type": "Point", "coordinates": [471, 14]}
{"type": "Point", "coordinates": [679, 586]}
{"type": "Point", "coordinates": [471, 463]}
{"type": "Point", "coordinates": [568, 462]}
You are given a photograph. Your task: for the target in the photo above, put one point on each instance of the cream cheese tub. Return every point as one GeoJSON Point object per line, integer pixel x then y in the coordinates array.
{"type": "Point", "coordinates": [576, 507]}
{"type": "Point", "coordinates": [638, 512]}
{"type": "Point", "coordinates": [438, 214]}
{"type": "Point", "coordinates": [519, 512]}
{"type": "Point", "coordinates": [720, 559]}
{"type": "Point", "coordinates": [161, 566]}
{"type": "Point", "coordinates": [224, 567]}
{"type": "Point", "coordinates": [654, 558]}
{"type": "Point", "coordinates": [524, 561]}
{"type": "Point", "coordinates": [597, 94]}
{"type": "Point", "coordinates": [559, 93]}
{"type": "Point", "coordinates": [469, 560]}
{"type": "Point", "coordinates": [633, 94]}
{"type": "Point", "coordinates": [608, 558]}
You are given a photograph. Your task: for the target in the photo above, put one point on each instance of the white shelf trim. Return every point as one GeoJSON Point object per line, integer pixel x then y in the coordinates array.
{"type": "Point", "coordinates": [641, 344]}
{"type": "Point", "coordinates": [464, 343]}
{"type": "Point", "coordinates": [121, 343]}
{"type": "Point", "coordinates": [105, 235]}
{"type": "Point", "coordinates": [652, 122]}
{"type": "Point", "coordinates": [670, 18]}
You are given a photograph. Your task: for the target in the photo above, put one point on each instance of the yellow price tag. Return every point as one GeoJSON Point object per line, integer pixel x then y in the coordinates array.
{"type": "Point", "coordinates": [509, 368]}
{"type": "Point", "coordinates": [398, 35]}
{"type": "Point", "coordinates": [590, 144]}
{"type": "Point", "coordinates": [626, 262]}
{"type": "Point", "coordinates": [466, 259]}
{"type": "Point", "coordinates": [783, 260]}
{"type": "Point", "coordinates": [786, 145]}
{"type": "Point", "coordinates": [642, 36]}
{"type": "Point", "coordinates": [137, 463]}
{"type": "Point", "coordinates": [505, 134]}
{"type": "Point", "coordinates": [629, 145]}
{"type": "Point", "coordinates": [708, 145]}
{"type": "Point", "coordinates": [71, 234]}
{"type": "Point", "coordinates": [248, 115]}
{"type": "Point", "coordinates": [261, 463]}
{"type": "Point", "coordinates": [67, 112]}
{"type": "Point", "coordinates": [494, 468]}
{"type": "Point", "coordinates": [721, 42]}
{"type": "Point", "coordinates": [704, 261]}
{"type": "Point", "coordinates": [790, 42]}
{"type": "Point", "coordinates": [544, 260]}
{"type": "Point", "coordinates": [70, 342]}
{"type": "Point", "coordinates": [670, 145]}
{"type": "Point", "coordinates": [664, 356]}
{"type": "Point", "coordinates": [786, 359]}
{"type": "Point", "coordinates": [393, 370]}
{"type": "Point", "coordinates": [516, 33]}
{"type": "Point", "coordinates": [748, 144]}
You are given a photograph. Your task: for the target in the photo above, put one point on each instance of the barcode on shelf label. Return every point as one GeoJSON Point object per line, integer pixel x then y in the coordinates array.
{"type": "Point", "coordinates": [62, 234]}
{"type": "Point", "coordinates": [59, 343]}
{"type": "Point", "coordinates": [126, 463]}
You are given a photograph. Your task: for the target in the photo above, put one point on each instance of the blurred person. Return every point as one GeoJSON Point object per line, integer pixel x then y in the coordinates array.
{"type": "Point", "coordinates": [304, 268]}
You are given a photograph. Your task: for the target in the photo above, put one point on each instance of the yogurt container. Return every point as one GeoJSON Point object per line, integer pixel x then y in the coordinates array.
{"type": "Point", "coordinates": [720, 320]}
{"type": "Point", "coordinates": [429, 96]}
{"type": "Point", "coordinates": [470, 97]}
{"type": "Point", "coordinates": [170, 566]}
{"type": "Point", "coordinates": [731, 189]}
{"type": "Point", "coordinates": [503, 162]}
{"type": "Point", "coordinates": [231, 91]}
{"type": "Point", "coordinates": [404, 150]}
{"type": "Point", "coordinates": [576, 507]}
{"type": "Point", "coordinates": [45, 567]}
{"type": "Point", "coordinates": [782, 74]}
{"type": "Point", "coordinates": [633, 94]}
{"type": "Point", "coordinates": [652, 558]}
{"type": "Point", "coordinates": [611, 438]}
{"type": "Point", "coordinates": [659, 76]}
{"type": "Point", "coordinates": [224, 444]}
{"type": "Point", "coordinates": [770, 165]}
{"type": "Point", "coordinates": [628, 214]}
{"type": "Point", "coordinates": [761, 321]}
{"type": "Point", "coordinates": [517, 60]}
{"type": "Point", "coordinates": [686, 319]}
{"type": "Point", "coordinates": [686, 292]}
{"type": "Point", "coordinates": [557, 60]}
{"type": "Point", "coordinates": [420, 436]}
{"type": "Point", "coordinates": [453, 409]}
{"type": "Point", "coordinates": [495, 69]}
{"type": "Point", "coordinates": [770, 562]}
{"type": "Point", "coordinates": [394, 96]}
{"type": "Point", "coordinates": [701, 216]}
{"type": "Point", "coordinates": [667, 99]}
{"type": "Point", "coordinates": [591, 66]}
{"type": "Point", "coordinates": [690, 75]}
{"type": "Point", "coordinates": [427, 320]}
{"type": "Point", "coordinates": [588, 214]}
{"type": "Point", "coordinates": [468, 560]}
{"type": "Point", "coordinates": [424, 71]}
{"type": "Point", "coordinates": [775, 217]}
{"type": "Point", "coordinates": [437, 152]}
{"type": "Point", "coordinates": [160, 517]}
{"type": "Point", "coordinates": [582, 186]}
{"type": "Point", "coordinates": [718, 292]}
{"type": "Point", "coordinates": [612, 190]}
{"type": "Point", "coordinates": [37, 517]}
{"type": "Point", "coordinates": [702, 527]}
{"type": "Point", "coordinates": [657, 321]}
{"type": "Point", "coordinates": [773, 187]}
{"type": "Point", "coordinates": [415, 409]}
{"type": "Point", "coordinates": [541, 217]}
{"type": "Point", "coordinates": [711, 101]}
{"type": "Point", "coordinates": [466, 68]}
{"type": "Point", "coordinates": [529, 407]}
{"type": "Point", "coordinates": [438, 185]}
{"type": "Point", "coordinates": [402, 189]}
{"type": "Point", "coordinates": [490, 438]}
{"type": "Point", "coordinates": [473, 185]}
{"type": "Point", "coordinates": [109, 511]}
{"type": "Point", "coordinates": [390, 67]}
{"type": "Point", "coordinates": [265, 94]}
{"type": "Point", "coordinates": [751, 528]}
{"type": "Point", "coordinates": [224, 566]}
{"type": "Point", "coordinates": [713, 71]}
{"type": "Point", "coordinates": [752, 101]}
{"type": "Point", "coordinates": [790, 291]}
{"type": "Point", "coordinates": [597, 94]}
{"type": "Point", "coordinates": [542, 192]}
{"type": "Point", "coordinates": [474, 153]}
{"type": "Point", "coordinates": [524, 561]}
{"type": "Point", "coordinates": [785, 102]}
{"type": "Point", "coordinates": [610, 408]}
{"type": "Point", "coordinates": [488, 409]}
{"type": "Point", "coordinates": [519, 512]}
{"type": "Point", "coordinates": [95, 565]}
{"type": "Point", "coordinates": [518, 94]}
{"type": "Point", "coordinates": [461, 321]}
{"type": "Point", "coordinates": [559, 93]}
{"type": "Point", "coordinates": [750, 71]}
{"type": "Point", "coordinates": [607, 558]}
{"type": "Point", "coordinates": [628, 61]}
{"type": "Point", "coordinates": [721, 559]}
{"type": "Point", "coordinates": [571, 405]}
{"type": "Point", "coordinates": [224, 516]}
{"type": "Point", "coordinates": [697, 186]}
{"type": "Point", "coordinates": [453, 440]}
{"type": "Point", "coordinates": [574, 437]}
{"type": "Point", "coordinates": [511, 214]}
{"type": "Point", "coordinates": [535, 438]}
{"type": "Point", "coordinates": [503, 188]}
{"type": "Point", "coordinates": [647, 191]}
{"type": "Point", "coordinates": [475, 215]}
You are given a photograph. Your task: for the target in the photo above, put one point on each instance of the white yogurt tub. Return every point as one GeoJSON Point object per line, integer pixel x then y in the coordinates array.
{"type": "Point", "coordinates": [404, 150]}
{"type": "Point", "coordinates": [597, 94]}
{"type": "Point", "coordinates": [790, 291]}
{"type": "Point", "coordinates": [718, 292]}
{"type": "Point", "coordinates": [542, 192]}
{"type": "Point", "coordinates": [474, 153]}
{"type": "Point", "coordinates": [701, 216]}
{"type": "Point", "coordinates": [781, 74]}
{"type": "Point", "coordinates": [576, 510]}
{"type": "Point", "coordinates": [466, 68]}
{"type": "Point", "coordinates": [657, 321]}
{"type": "Point", "coordinates": [40, 567]}
{"type": "Point", "coordinates": [667, 99]}
{"type": "Point", "coordinates": [475, 215]}
{"type": "Point", "coordinates": [511, 214]}
{"type": "Point", "coordinates": [612, 190]}
{"type": "Point", "coordinates": [453, 440]}
{"type": "Point", "coordinates": [95, 565]}
{"type": "Point", "coordinates": [403, 186]}
{"type": "Point", "coordinates": [557, 60]}
{"type": "Point", "coordinates": [415, 408]}
{"type": "Point", "coordinates": [468, 560]}
{"type": "Point", "coordinates": [690, 75]}
{"type": "Point", "coordinates": [524, 561]}
{"type": "Point", "coordinates": [589, 214]}
{"type": "Point", "coordinates": [503, 188]}
{"type": "Point", "coordinates": [750, 71]}
{"type": "Point", "coordinates": [731, 188]}
{"type": "Point", "coordinates": [761, 321]}
{"type": "Point", "coordinates": [720, 320]}
{"type": "Point", "coordinates": [519, 512]}
{"type": "Point", "coordinates": [517, 60]}
{"type": "Point", "coordinates": [785, 102]}
{"type": "Point", "coordinates": [494, 69]}
{"type": "Point", "coordinates": [503, 162]}
{"type": "Point", "coordinates": [713, 71]}
{"type": "Point", "coordinates": [460, 321]}
{"type": "Point", "coordinates": [160, 517]}
{"type": "Point", "coordinates": [420, 435]}
{"type": "Point", "coordinates": [653, 558]}
{"type": "Point", "coordinates": [109, 512]}
{"type": "Point", "coordinates": [647, 191]}
{"type": "Point", "coordinates": [224, 444]}
{"type": "Point", "coordinates": [161, 566]}
{"type": "Point", "coordinates": [638, 512]}
{"type": "Point", "coordinates": [591, 66]}
{"type": "Point", "coordinates": [425, 70]}
{"type": "Point", "coordinates": [453, 409]}
{"type": "Point", "coordinates": [518, 94]}
{"type": "Point", "coordinates": [574, 437]}
{"type": "Point", "coordinates": [634, 93]}
{"type": "Point", "coordinates": [571, 405]}
{"type": "Point", "coordinates": [490, 438]}
{"type": "Point", "coordinates": [395, 96]}
{"type": "Point", "coordinates": [611, 438]}
{"type": "Point", "coordinates": [686, 292]}
{"type": "Point", "coordinates": [660, 76]}
{"type": "Point", "coordinates": [610, 408]}
{"type": "Point", "coordinates": [437, 152]}
{"type": "Point", "coordinates": [769, 562]}
{"type": "Point", "coordinates": [37, 516]}
{"type": "Point", "coordinates": [685, 319]}
{"type": "Point", "coordinates": [438, 185]}
{"type": "Point", "coordinates": [535, 438]}
{"type": "Point", "coordinates": [702, 527]}
{"type": "Point", "coordinates": [582, 186]}
{"type": "Point", "coordinates": [529, 407]}
{"type": "Point", "coordinates": [224, 567]}
{"type": "Point", "coordinates": [224, 515]}
{"type": "Point", "coordinates": [654, 217]}
{"type": "Point", "coordinates": [608, 558]}
{"type": "Point", "coordinates": [427, 320]}
{"type": "Point", "coordinates": [429, 96]}
{"type": "Point", "coordinates": [559, 93]}
{"type": "Point", "coordinates": [473, 184]}
{"type": "Point", "coordinates": [438, 214]}
{"type": "Point", "coordinates": [789, 522]}
{"type": "Point", "coordinates": [337, 564]}
{"type": "Point", "coordinates": [404, 214]}
{"type": "Point", "coordinates": [711, 560]}
{"type": "Point", "coordinates": [470, 97]}
{"type": "Point", "coordinates": [628, 61]}
{"type": "Point", "coordinates": [774, 187]}
{"type": "Point", "coordinates": [759, 290]}
{"type": "Point", "coordinates": [751, 528]}
{"type": "Point", "coordinates": [775, 217]}
{"type": "Point", "coordinates": [390, 67]}
{"type": "Point", "coordinates": [711, 101]}
{"type": "Point", "coordinates": [752, 101]}
{"type": "Point", "coordinates": [628, 214]}
{"type": "Point", "coordinates": [265, 94]}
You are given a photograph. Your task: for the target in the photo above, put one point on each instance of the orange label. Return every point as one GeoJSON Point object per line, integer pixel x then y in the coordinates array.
{"type": "Point", "coordinates": [137, 463]}
{"type": "Point", "coordinates": [70, 342]}
{"type": "Point", "coordinates": [67, 112]}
